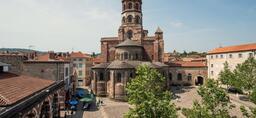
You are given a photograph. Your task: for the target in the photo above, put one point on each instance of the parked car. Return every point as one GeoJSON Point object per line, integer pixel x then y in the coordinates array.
{"type": "Point", "coordinates": [235, 90]}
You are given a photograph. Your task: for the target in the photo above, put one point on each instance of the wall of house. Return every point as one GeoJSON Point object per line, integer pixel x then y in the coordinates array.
{"type": "Point", "coordinates": [15, 61]}
{"type": "Point", "coordinates": [195, 73]}
{"type": "Point", "coordinates": [52, 71]}
{"type": "Point", "coordinates": [215, 62]}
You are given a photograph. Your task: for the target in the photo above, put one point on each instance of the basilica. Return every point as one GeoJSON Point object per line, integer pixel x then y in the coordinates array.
{"type": "Point", "coordinates": [121, 55]}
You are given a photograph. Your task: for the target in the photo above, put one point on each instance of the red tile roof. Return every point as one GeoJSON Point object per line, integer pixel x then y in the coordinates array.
{"type": "Point", "coordinates": [97, 60]}
{"type": "Point", "coordinates": [14, 88]}
{"type": "Point", "coordinates": [237, 48]}
{"type": "Point", "coordinates": [78, 55]}
{"type": "Point", "coordinates": [44, 57]}
{"type": "Point", "coordinates": [187, 64]}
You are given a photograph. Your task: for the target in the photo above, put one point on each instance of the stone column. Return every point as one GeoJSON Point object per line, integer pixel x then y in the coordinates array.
{"type": "Point", "coordinates": [112, 85]}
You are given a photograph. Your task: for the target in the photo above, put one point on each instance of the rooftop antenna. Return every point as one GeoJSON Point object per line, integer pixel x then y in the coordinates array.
{"type": "Point", "coordinates": [220, 45]}
{"type": "Point", "coordinates": [31, 47]}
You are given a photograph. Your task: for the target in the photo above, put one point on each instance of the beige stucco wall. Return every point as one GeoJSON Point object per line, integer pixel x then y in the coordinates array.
{"type": "Point", "coordinates": [216, 65]}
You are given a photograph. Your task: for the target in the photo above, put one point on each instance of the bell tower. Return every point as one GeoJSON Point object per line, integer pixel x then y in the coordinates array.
{"type": "Point", "coordinates": [131, 24]}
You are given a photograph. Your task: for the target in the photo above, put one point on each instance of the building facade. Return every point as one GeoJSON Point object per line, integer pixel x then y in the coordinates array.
{"type": "Point", "coordinates": [121, 55]}
{"type": "Point", "coordinates": [54, 70]}
{"type": "Point", "coordinates": [187, 73]}
{"type": "Point", "coordinates": [82, 63]}
{"type": "Point", "coordinates": [233, 55]}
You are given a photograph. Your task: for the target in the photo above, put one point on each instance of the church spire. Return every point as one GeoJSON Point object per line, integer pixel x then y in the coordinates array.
{"type": "Point", "coordinates": [131, 26]}
{"type": "Point", "coordinates": [131, 12]}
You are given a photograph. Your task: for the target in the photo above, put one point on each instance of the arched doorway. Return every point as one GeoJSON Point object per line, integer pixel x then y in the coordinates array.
{"type": "Point", "coordinates": [199, 81]}
{"type": "Point", "coordinates": [45, 110]}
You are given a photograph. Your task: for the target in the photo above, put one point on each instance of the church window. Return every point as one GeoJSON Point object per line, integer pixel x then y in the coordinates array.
{"type": "Point", "coordinates": [130, 5]}
{"type": "Point", "coordinates": [189, 77]}
{"type": "Point", "coordinates": [125, 55]}
{"type": "Point", "coordinates": [136, 56]}
{"type": "Point", "coordinates": [179, 77]}
{"type": "Point", "coordinates": [130, 18]}
{"type": "Point", "coordinates": [170, 76]}
{"type": "Point", "coordinates": [137, 6]}
{"type": "Point", "coordinates": [137, 20]}
{"type": "Point", "coordinates": [131, 75]}
{"type": "Point", "coordinates": [124, 7]}
{"type": "Point", "coordinates": [129, 34]}
{"type": "Point", "coordinates": [101, 77]}
{"type": "Point", "coordinates": [119, 78]}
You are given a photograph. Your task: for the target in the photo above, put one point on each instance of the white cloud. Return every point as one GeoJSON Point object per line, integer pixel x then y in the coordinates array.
{"type": "Point", "coordinates": [177, 24]}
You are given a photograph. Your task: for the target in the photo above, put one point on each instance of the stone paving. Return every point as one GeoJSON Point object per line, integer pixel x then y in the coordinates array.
{"type": "Point", "coordinates": [184, 99]}
{"type": "Point", "coordinates": [187, 95]}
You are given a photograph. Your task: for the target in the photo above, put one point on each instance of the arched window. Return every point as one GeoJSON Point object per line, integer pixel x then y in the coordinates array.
{"type": "Point", "coordinates": [130, 5]}
{"type": "Point", "coordinates": [101, 77]}
{"type": "Point", "coordinates": [189, 77]}
{"type": "Point", "coordinates": [137, 6]}
{"type": "Point", "coordinates": [124, 7]}
{"type": "Point", "coordinates": [131, 75]}
{"type": "Point", "coordinates": [129, 18]}
{"type": "Point", "coordinates": [170, 76]}
{"type": "Point", "coordinates": [125, 55]}
{"type": "Point", "coordinates": [136, 56]}
{"type": "Point", "coordinates": [137, 20]}
{"type": "Point", "coordinates": [119, 78]}
{"type": "Point", "coordinates": [130, 56]}
{"type": "Point", "coordinates": [129, 34]}
{"type": "Point", "coordinates": [179, 77]}
{"type": "Point", "coordinates": [123, 20]}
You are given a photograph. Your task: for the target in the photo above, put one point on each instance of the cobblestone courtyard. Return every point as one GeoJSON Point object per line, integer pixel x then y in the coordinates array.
{"type": "Point", "coordinates": [184, 99]}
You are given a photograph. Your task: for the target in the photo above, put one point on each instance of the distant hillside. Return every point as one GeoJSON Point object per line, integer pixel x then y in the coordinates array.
{"type": "Point", "coordinates": [21, 50]}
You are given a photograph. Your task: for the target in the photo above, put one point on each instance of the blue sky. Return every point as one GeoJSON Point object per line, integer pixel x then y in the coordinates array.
{"type": "Point", "coordinates": [78, 25]}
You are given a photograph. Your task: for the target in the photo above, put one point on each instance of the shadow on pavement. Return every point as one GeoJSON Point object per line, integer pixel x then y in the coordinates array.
{"type": "Point", "coordinates": [181, 89]}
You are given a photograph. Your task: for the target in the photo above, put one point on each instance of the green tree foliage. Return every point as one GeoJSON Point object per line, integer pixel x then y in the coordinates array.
{"type": "Point", "coordinates": [245, 75]}
{"type": "Point", "coordinates": [148, 97]}
{"type": "Point", "coordinates": [215, 102]}
{"type": "Point", "coordinates": [246, 114]}
{"type": "Point", "coordinates": [226, 76]}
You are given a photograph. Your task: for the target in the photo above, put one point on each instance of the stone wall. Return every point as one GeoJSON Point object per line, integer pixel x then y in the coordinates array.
{"type": "Point", "coordinates": [16, 62]}
{"type": "Point", "coordinates": [195, 73]}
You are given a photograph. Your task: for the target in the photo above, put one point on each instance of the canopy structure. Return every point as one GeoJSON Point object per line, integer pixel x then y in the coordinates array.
{"type": "Point", "coordinates": [88, 98]}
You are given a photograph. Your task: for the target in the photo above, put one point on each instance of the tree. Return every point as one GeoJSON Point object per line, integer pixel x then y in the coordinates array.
{"type": "Point", "coordinates": [215, 102]}
{"type": "Point", "coordinates": [245, 75]}
{"type": "Point", "coordinates": [252, 111]}
{"type": "Point", "coordinates": [147, 95]}
{"type": "Point", "coordinates": [246, 114]}
{"type": "Point", "coordinates": [226, 76]}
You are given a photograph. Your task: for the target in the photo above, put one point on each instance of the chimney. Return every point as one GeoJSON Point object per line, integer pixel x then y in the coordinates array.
{"type": "Point", "coordinates": [51, 55]}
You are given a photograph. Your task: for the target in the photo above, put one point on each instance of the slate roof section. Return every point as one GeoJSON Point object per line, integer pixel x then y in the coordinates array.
{"type": "Point", "coordinates": [188, 64]}
{"type": "Point", "coordinates": [159, 30]}
{"type": "Point", "coordinates": [128, 65]}
{"type": "Point", "coordinates": [101, 66]}
{"type": "Point", "coordinates": [237, 48]}
{"type": "Point", "coordinates": [128, 43]}
{"type": "Point", "coordinates": [4, 64]}
{"type": "Point", "coordinates": [120, 65]}
{"type": "Point", "coordinates": [14, 88]}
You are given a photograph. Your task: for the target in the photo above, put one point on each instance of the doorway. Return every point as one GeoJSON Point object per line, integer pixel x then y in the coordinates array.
{"type": "Point", "coordinates": [200, 81]}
